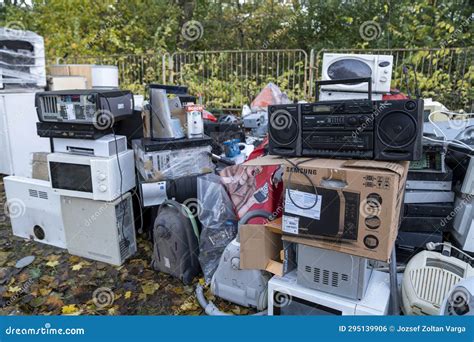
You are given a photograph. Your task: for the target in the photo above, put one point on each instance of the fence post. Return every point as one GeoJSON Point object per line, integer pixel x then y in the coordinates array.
{"type": "Point", "coordinates": [311, 74]}
{"type": "Point", "coordinates": [163, 67]}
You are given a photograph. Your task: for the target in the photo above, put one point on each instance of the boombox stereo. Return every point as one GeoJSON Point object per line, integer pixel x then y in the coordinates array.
{"type": "Point", "coordinates": [352, 129]}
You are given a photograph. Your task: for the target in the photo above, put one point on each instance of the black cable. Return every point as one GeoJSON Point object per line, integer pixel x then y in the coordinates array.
{"type": "Point", "coordinates": [122, 204]}
{"type": "Point", "coordinates": [296, 166]}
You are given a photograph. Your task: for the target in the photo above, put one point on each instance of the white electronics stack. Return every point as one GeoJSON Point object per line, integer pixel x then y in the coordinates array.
{"type": "Point", "coordinates": [22, 74]}
{"type": "Point", "coordinates": [94, 178]}
{"type": "Point", "coordinates": [86, 205]}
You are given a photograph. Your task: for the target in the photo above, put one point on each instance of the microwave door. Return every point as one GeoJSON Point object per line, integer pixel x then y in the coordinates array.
{"type": "Point", "coordinates": [73, 177]}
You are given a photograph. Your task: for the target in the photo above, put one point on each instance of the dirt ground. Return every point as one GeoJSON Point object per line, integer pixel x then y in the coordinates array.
{"type": "Point", "coordinates": [59, 283]}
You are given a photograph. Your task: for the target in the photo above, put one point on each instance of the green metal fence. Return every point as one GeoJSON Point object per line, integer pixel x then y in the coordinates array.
{"type": "Point", "coordinates": [231, 78]}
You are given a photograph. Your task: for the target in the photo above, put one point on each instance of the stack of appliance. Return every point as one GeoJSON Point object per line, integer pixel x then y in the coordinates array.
{"type": "Point", "coordinates": [90, 174]}
{"type": "Point", "coordinates": [343, 125]}
{"type": "Point", "coordinates": [177, 151]}
{"type": "Point", "coordinates": [22, 74]}
{"type": "Point", "coordinates": [429, 199]}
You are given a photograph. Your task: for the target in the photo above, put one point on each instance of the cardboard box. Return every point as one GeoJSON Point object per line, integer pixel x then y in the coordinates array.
{"type": "Point", "coordinates": [39, 166]}
{"type": "Point", "coordinates": [84, 70]}
{"type": "Point", "coordinates": [262, 248]}
{"type": "Point", "coordinates": [67, 82]}
{"type": "Point", "coordinates": [357, 209]}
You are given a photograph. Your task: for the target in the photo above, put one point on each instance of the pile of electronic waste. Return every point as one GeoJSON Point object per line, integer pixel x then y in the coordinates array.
{"type": "Point", "coordinates": [293, 209]}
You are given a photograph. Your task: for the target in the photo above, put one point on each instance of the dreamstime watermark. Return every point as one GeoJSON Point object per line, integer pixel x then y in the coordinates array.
{"type": "Point", "coordinates": [281, 119]}
{"type": "Point", "coordinates": [278, 33]}
{"type": "Point", "coordinates": [445, 220]}
{"type": "Point", "coordinates": [371, 118]}
{"type": "Point", "coordinates": [14, 208]}
{"type": "Point", "coordinates": [192, 30]}
{"type": "Point", "coordinates": [459, 301]}
{"type": "Point", "coordinates": [194, 207]}
{"type": "Point", "coordinates": [370, 207]}
{"type": "Point", "coordinates": [370, 30]}
{"type": "Point", "coordinates": [103, 297]}
{"type": "Point", "coordinates": [25, 288]}
{"type": "Point", "coordinates": [46, 330]}
{"type": "Point", "coordinates": [282, 298]}
{"type": "Point", "coordinates": [465, 23]}
{"type": "Point", "coordinates": [103, 119]}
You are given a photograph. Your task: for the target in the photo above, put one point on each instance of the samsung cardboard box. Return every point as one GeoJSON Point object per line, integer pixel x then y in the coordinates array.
{"type": "Point", "coordinates": [262, 248]}
{"type": "Point", "coordinates": [350, 206]}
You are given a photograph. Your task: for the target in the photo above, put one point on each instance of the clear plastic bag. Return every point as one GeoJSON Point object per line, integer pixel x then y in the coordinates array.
{"type": "Point", "coordinates": [219, 222]}
{"type": "Point", "coordinates": [270, 95]}
{"type": "Point", "coordinates": [172, 164]}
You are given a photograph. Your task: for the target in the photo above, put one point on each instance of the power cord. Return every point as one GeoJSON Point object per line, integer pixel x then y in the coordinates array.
{"type": "Point", "coordinates": [432, 246]}
{"type": "Point", "coordinates": [122, 204]}
{"type": "Point", "coordinates": [296, 166]}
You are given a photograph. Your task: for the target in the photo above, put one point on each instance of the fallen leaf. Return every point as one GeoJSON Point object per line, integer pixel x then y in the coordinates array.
{"type": "Point", "coordinates": [128, 294]}
{"type": "Point", "coordinates": [53, 257]}
{"type": "Point", "coordinates": [36, 302]}
{"type": "Point", "coordinates": [44, 292]}
{"type": "Point", "coordinates": [150, 288]}
{"type": "Point", "coordinates": [77, 267]}
{"type": "Point", "coordinates": [52, 263]}
{"type": "Point", "coordinates": [69, 309]}
{"type": "Point", "coordinates": [54, 301]}
{"type": "Point", "coordinates": [14, 289]}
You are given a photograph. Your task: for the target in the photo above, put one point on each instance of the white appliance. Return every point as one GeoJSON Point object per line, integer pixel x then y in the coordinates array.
{"type": "Point", "coordinates": [468, 182]}
{"type": "Point", "coordinates": [18, 138]}
{"type": "Point", "coordinates": [344, 66]}
{"type": "Point", "coordinates": [463, 231]}
{"type": "Point", "coordinates": [98, 230]}
{"type": "Point", "coordinates": [106, 146]}
{"type": "Point", "coordinates": [194, 121]}
{"type": "Point", "coordinates": [98, 178]}
{"type": "Point", "coordinates": [34, 210]}
{"type": "Point", "coordinates": [23, 53]}
{"type": "Point", "coordinates": [104, 76]}
{"type": "Point", "coordinates": [330, 95]}
{"type": "Point", "coordinates": [460, 300]}
{"type": "Point", "coordinates": [430, 106]}
{"type": "Point", "coordinates": [286, 297]}
{"type": "Point", "coordinates": [428, 278]}
{"type": "Point", "coordinates": [333, 272]}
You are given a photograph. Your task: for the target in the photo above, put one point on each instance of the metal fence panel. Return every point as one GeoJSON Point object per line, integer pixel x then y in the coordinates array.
{"type": "Point", "coordinates": [230, 79]}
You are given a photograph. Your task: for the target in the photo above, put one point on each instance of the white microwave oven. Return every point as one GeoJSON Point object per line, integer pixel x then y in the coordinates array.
{"type": "Point", "coordinates": [343, 66]}
{"type": "Point", "coordinates": [97, 178]}
{"type": "Point", "coordinates": [287, 298]}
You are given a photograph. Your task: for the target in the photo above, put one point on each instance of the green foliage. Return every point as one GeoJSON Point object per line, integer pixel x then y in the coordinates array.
{"type": "Point", "coordinates": [135, 34]}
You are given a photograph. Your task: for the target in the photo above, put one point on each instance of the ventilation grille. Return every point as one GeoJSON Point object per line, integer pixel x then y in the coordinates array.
{"type": "Point", "coordinates": [50, 104]}
{"type": "Point", "coordinates": [38, 194]}
{"type": "Point", "coordinates": [432, 284]}
{"type": "Point", "coordinates": [123, 245]}
{"type": "Point", "coordinates": [326, 277]}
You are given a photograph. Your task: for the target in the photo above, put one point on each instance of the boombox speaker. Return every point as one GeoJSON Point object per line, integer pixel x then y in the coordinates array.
{"type": "Point", "coordinates": [398, 130]}
{"type": "Point", "coordinates": [284, 130]}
